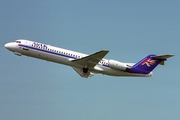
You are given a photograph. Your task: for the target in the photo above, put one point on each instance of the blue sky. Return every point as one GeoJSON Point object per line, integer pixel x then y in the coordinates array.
{"type": "Point", "coordinates": [130, 30]}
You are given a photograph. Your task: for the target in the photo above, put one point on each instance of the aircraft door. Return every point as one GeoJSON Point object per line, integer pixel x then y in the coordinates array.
{"type": "Point", "coordinates": [26, 43]}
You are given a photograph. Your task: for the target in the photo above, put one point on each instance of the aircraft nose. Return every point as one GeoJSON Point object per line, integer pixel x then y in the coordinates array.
{"type": "Point", "coordinates": [9, 46]}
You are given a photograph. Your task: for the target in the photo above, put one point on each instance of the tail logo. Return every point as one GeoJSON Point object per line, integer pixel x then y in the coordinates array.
{"type": "Point", "coordinates": [148, 62]}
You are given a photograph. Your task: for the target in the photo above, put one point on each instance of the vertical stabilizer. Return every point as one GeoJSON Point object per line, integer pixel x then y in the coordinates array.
{"type": "Point", "coordinates": [146, 65]}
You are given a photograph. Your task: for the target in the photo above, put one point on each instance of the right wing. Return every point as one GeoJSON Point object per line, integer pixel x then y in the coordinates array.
{"type": "Point", "coordinates": [91, 60]}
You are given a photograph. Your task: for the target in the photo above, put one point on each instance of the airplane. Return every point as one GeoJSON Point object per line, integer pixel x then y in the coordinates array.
{"type": "Point", "coordinates": [86, 65]}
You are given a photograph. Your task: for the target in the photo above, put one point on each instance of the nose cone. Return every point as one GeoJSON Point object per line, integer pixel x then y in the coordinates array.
{"type": "Point", "coordinates": [10, 46]}
{"type": "Point", "coordinates": [7, 46]}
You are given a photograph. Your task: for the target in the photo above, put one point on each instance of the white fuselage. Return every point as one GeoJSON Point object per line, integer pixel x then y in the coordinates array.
{"type": "Point", "coordinates": [65, 57]}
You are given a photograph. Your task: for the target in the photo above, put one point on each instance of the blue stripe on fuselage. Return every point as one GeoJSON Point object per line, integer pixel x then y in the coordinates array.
{"type": "Point", "coordinates": [52, 52]}
{"type": "Point", "coordinates": [47, 51]}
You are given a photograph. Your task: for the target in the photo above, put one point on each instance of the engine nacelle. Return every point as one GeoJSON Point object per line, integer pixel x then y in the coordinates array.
{"type": "Point", "coordinates": [117, 65]}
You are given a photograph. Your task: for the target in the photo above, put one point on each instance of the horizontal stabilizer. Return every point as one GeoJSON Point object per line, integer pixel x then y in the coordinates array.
{"type": "Point", "coordinates": [162, 62]}
{"type": "Point", "coordinates": [160, 57]}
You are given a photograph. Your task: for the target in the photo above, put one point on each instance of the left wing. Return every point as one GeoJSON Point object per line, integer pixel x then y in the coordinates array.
{"type": "Point", "coordinates": [91, 60]}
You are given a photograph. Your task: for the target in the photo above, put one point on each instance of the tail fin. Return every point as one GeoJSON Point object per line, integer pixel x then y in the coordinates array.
{"type": "Point", "coordinates": [146, 65]}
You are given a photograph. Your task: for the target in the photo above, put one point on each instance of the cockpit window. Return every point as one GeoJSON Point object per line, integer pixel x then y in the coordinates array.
{"type": "Point", "coordinates": [18, 41]}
